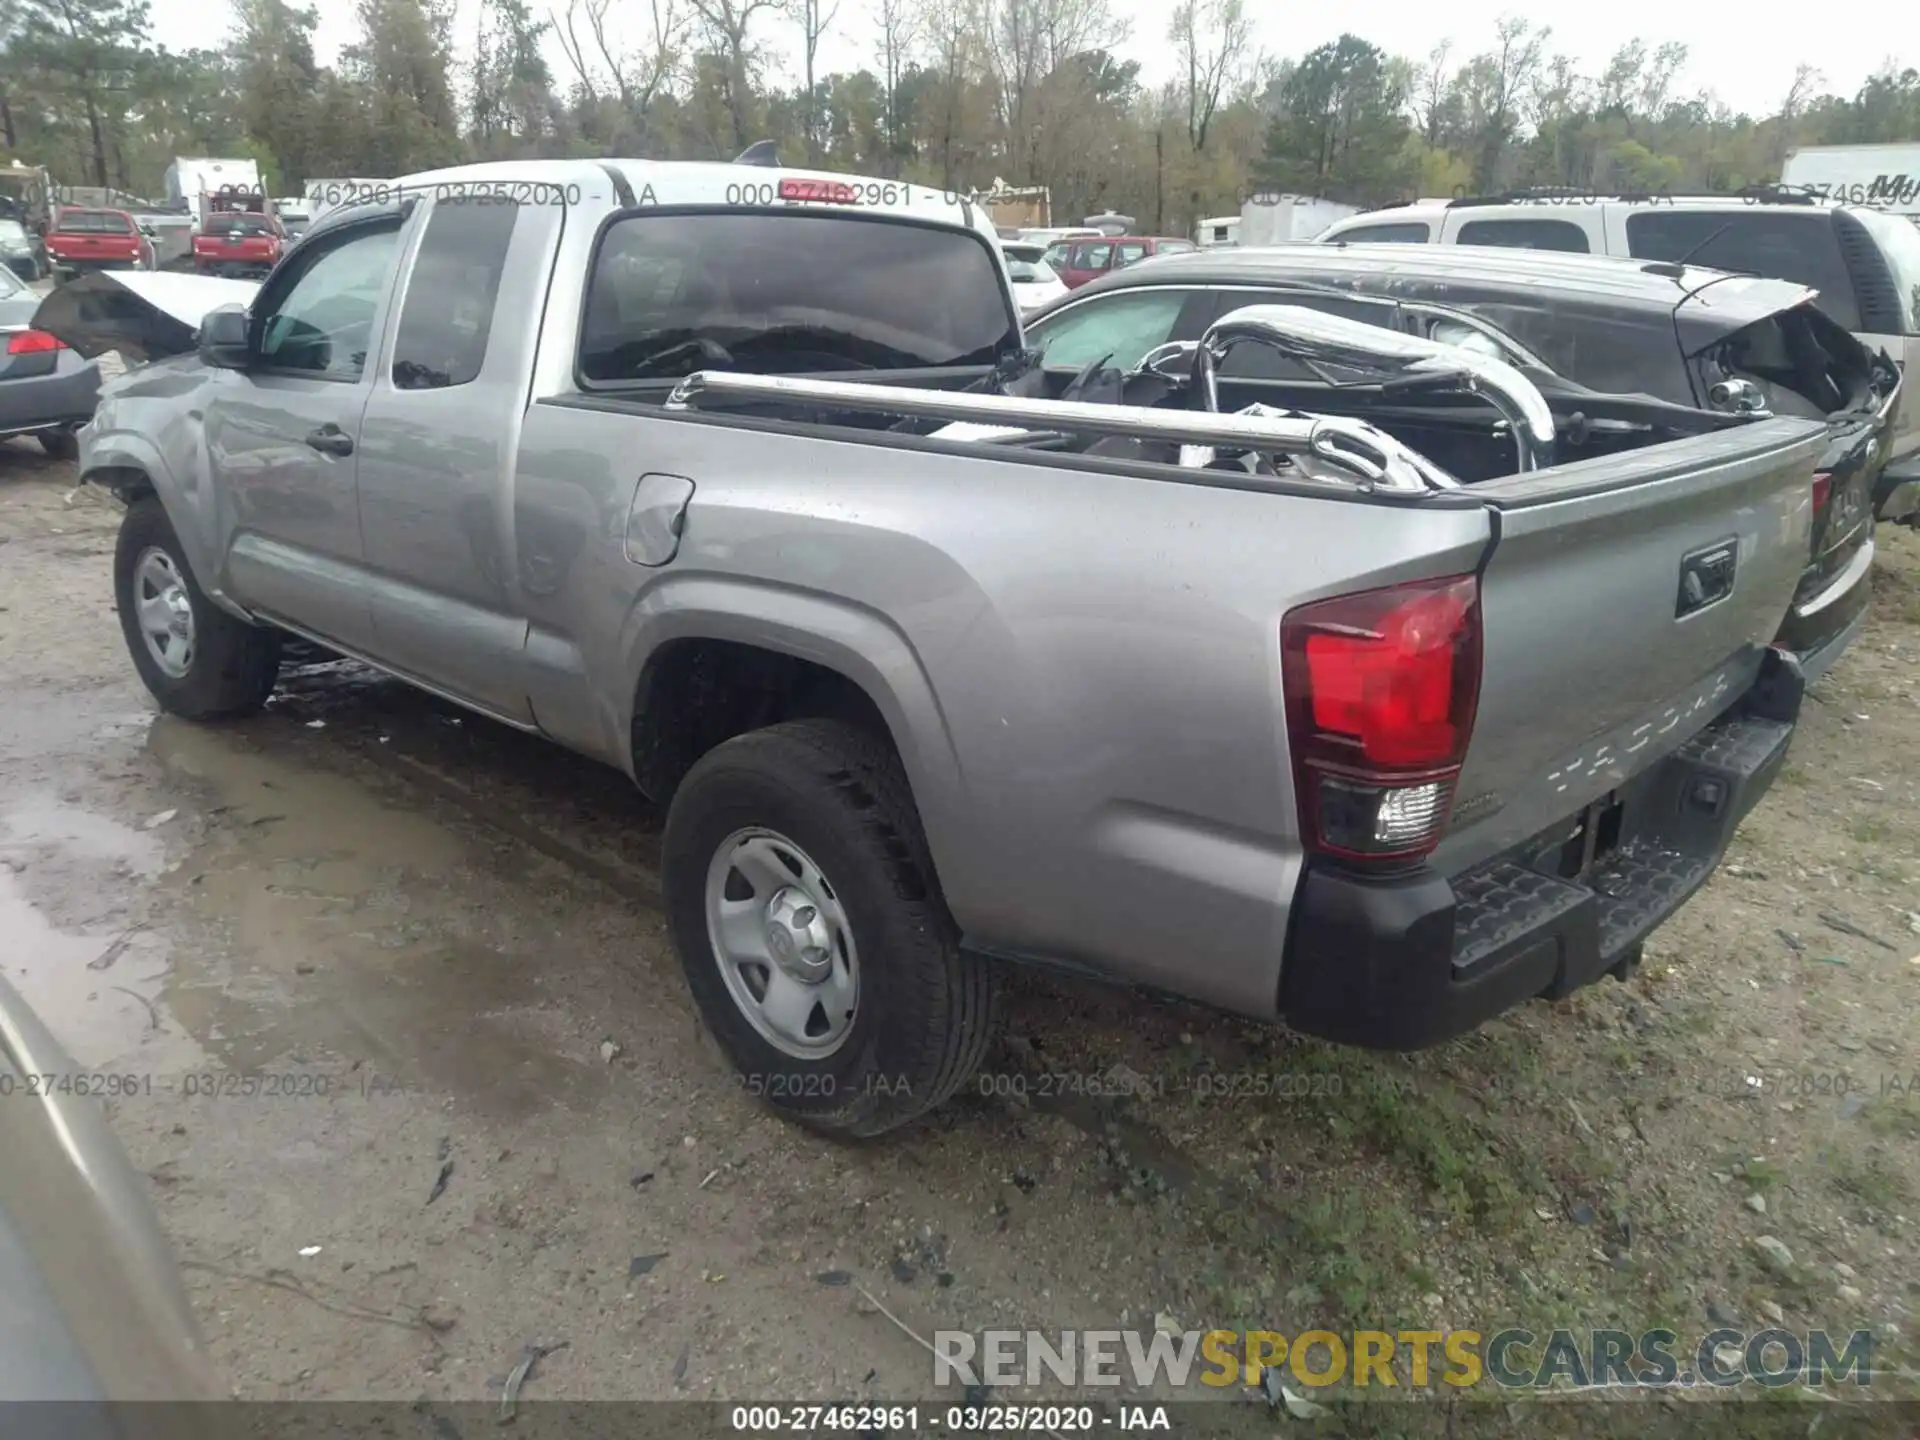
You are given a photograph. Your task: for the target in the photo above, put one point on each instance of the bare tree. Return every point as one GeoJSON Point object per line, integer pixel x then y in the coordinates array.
{"type": "Point", "coordinates": [725, 26]}
{"type": "Point", "coordinates": [1433, 85]}
{"type": "Point", "coordinates": [1027, 41]}
{"type": "Point", "coordinates": [1806, 80]}
{"type": "Point", "coordinates": [898, 34]}
{"type": "Point", "coordinates": [1495, 84]}
{"type": "Point", "coordinates": [813, 18]}
{"type": "Point", "coordinates": [582, 32]}
{"type": "Point", "coordinates": [1214, 41]}
{"type": "Point", "coordinates": [950, 30]}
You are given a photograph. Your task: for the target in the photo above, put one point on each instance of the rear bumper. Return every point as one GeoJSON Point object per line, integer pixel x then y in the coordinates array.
{"type": "Point", "coordinates": [83, 267]}
{"type": "Point", "coordinates": [232, 269]}
{"type": "Point", "coordinates": [47, 402]}
{"type": "Point", "coordinates": [1820, 628]}
{"type": "Point", "coordinates": [1409, 962]}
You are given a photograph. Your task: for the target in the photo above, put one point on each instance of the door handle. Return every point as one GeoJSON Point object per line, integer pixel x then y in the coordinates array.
{"type": "Point", "coordinates": [331, 440]}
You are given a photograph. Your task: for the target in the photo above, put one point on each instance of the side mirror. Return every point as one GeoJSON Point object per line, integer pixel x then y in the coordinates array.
{"type": "Point", "coordinates": [223, 338]}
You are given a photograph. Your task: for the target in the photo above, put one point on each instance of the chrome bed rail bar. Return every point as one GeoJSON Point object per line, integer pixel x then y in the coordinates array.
{"type": "Point", "coordinates": [1314, 337]}
{"type": "Point", "coordinates": [1374, 458]}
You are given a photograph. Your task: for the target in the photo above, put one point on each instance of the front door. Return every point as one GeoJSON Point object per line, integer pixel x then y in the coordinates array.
{"type": "Point", "coordinates": [283, 434]}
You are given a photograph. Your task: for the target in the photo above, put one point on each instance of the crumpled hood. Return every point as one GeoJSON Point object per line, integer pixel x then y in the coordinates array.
{"type": "Point", "coordinates": [144, 314]}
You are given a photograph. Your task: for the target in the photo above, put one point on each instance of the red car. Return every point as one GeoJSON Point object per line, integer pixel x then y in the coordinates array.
{"type": "Point", "coordinates": [1079, 261]}
{"type": "Point", "coordinates": [96, 240]}
{"type": "Point", "coordinates": [238, 242]}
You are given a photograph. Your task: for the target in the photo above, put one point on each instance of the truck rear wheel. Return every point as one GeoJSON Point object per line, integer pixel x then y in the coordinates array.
{"type": "Point", "coordinates": [198, 661]}
{"type": "Point", "coordinates": [809, 920]}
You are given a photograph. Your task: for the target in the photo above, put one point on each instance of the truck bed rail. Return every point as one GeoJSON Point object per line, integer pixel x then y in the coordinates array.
{"type": "Point", "coordinates": [1374, 458]}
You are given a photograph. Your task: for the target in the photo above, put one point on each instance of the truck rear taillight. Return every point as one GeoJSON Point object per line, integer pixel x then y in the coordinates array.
{"type": "Point", "coordinates": [32, 342]}
{"type": "Point", "coordinates": [1380, 694]}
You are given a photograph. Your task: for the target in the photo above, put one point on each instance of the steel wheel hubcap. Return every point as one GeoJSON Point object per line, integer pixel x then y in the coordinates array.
{"type": "Point", "coordinates": [164, 611]}
{"type": "Point", "coordinates": [783, 944]}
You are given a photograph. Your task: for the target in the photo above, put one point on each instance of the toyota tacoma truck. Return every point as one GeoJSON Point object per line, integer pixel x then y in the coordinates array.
{"type": "Point", "coordinates": [729, 476]}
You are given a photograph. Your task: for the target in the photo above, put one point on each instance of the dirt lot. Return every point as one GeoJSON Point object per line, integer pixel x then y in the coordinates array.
{"type": "Point", "coordinates": [447, 930]}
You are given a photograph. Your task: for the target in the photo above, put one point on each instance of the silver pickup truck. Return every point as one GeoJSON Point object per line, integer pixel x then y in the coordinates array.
{"type": "Point", "coordinates": [716, 473]}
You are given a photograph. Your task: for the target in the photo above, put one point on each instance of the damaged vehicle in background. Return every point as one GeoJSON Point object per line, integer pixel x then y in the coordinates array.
{"type": "Point", "coordinates": [766, 505]}
{"type": "Point", "coordinates": [1627, 353]}
{"type": "Point", "coordinates": [47, 390]}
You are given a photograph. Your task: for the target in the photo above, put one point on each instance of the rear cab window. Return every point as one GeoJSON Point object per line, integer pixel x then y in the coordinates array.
{"type": "Point", "coordinates": [789, 292]}
{"type": "Point", "coordinates": [1408, 233]}
{"type": "Point", "coordinates": [94, 222]}
{"type": "Point", "coordinates": [447, 316]}
{"type": "Point", "coordinates": [1797, 247]}
{"type": "Point", "coordinates": [1562, 235]}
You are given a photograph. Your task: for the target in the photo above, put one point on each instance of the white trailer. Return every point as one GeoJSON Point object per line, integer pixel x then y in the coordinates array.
{"type": "Point", "coordinates": [1886, 177]}
{"type": "Point", "coordinates": [1271, 218]}
{"type": "Point", "coordinates": [191, 183]}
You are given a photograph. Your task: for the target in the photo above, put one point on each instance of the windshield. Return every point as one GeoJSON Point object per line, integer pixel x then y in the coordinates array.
{"type": "Point", "coordinates": [94, 222]}
{"type": "Point", "coordinates": [789, 294]}
{"type": "Point", "coordinates": [1900, 243]}
{"type": "Point", "coordinates": [1027, 272]}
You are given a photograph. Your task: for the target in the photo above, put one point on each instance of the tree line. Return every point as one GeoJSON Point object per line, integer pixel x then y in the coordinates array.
{"type": "Point", "coordinates": [956, 93]}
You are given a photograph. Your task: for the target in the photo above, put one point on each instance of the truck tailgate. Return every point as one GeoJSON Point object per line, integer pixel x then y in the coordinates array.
{"type": "Point", "coordinates": [1626, 602]}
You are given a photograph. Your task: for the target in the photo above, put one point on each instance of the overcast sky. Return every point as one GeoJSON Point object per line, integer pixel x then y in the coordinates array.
{"type": "Point", "coordinates": [1743, 53]}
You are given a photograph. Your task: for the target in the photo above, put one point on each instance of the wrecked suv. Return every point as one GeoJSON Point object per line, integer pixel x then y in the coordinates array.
{"type": "Point", "coordinates": [733, 477]}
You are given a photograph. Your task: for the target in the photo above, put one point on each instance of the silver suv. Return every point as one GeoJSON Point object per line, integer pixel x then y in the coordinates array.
{"type": "Point", "coordinates": [1865, 263]}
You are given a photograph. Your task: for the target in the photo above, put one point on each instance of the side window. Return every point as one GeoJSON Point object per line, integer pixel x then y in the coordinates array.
{"type": "Point", "coordinates": [322, 321]}
{"type": "Point", "coordinates": [448, 313]}
{"type": "Point", "coordinates": [1527, 235]}
{"type": "Point", "coordinates": [1125, 326]}
{"type": "Point", "coordinates": [1252, 361]}
{"type": "Point", "coordinates": [1409, 234]}
{"type": "Point", "coordinates": [1092, 257]}
{"type": "Point", "coordinates": [1128, 255]}
{"type": "Point", "coordinates": [1057, 253]}
{"type": "Point", "coordinates": [1800, 248]}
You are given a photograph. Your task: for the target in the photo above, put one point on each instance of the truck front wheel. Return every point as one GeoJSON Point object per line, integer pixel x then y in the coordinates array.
{"type": "Point", "coordinates": [197, 660]}
{"type": "Point", "coordinates": [809, 920]}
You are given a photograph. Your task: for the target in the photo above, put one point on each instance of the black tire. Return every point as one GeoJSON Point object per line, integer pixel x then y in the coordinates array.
{"type": "Point", "coordinates": [925, 1011]}
{"type": "Point", "coordinates": [233, 665]}
{"type": "Point", "coordinates": [60, 444]}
